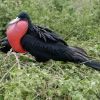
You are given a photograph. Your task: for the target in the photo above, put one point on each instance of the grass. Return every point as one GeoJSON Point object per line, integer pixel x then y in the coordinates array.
{"type": "Point", "coordinates": [75, 20]}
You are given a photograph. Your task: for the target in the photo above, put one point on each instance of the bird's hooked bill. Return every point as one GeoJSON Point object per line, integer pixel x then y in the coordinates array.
{"type": "Point", "coordinates": [14, 21]}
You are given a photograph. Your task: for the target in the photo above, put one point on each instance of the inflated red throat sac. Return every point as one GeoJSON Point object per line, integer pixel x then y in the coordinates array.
{"type": "Point", "coordinates": [15, 32]}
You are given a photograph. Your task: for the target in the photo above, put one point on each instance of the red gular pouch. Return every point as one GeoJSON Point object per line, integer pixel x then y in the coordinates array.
{"type": "Point", "coordinates": [15, 32]}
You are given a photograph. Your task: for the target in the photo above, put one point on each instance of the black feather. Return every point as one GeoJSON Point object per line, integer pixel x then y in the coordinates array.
{"type": "Point", "coordinates": [5, 46]}
{"type": "Point", "coordinates": [45, 34]}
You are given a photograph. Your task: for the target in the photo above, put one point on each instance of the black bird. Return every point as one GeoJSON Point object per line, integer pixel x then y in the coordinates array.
{"type": "Point", "coordinates": [44, 44]}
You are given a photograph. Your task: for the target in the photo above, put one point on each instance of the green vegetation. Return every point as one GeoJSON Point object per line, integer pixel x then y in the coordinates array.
{"type": "Point", "coordinates": [78, 21]}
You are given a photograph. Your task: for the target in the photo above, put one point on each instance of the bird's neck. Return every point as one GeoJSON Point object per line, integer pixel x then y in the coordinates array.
{"type": "Point", "coordinates": [30, 28]}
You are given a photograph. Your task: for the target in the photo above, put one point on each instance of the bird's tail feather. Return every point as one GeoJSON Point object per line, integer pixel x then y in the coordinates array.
{"type": "Point", "coordinates": [93, 64]}
{"type": "Point", "coordinates": [80, 56]}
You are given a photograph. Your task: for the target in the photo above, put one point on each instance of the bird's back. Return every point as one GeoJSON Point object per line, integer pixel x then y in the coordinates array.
{"type": "Point", "coordinates": [45, 50]}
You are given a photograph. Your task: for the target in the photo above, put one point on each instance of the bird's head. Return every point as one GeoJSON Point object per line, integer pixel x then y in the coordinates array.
{"type": "Point", "coordinates": [22, 16]}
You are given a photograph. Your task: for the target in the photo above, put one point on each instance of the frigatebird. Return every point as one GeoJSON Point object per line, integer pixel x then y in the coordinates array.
{"type": "Point", "coordinates": [44, 44]}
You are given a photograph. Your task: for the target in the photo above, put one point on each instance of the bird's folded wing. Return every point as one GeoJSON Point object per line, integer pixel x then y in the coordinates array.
{"type": "Point", "coordinates": [47, 34]}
